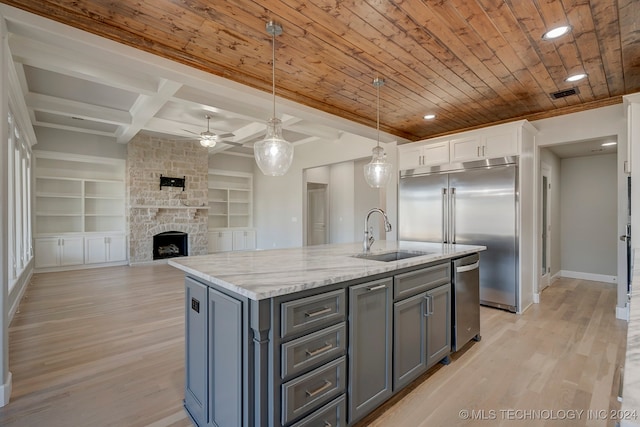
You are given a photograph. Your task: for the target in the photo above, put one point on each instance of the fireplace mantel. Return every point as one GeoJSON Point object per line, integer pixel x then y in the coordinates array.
{"type": "Point", "coordinates": [153, 209]}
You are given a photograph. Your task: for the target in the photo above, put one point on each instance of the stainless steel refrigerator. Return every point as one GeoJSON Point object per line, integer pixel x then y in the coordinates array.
{"type": "Point", "coordinates": [474, 203]}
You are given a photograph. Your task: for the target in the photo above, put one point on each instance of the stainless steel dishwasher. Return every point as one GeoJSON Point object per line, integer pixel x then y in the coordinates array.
{"type": "Point", "coordinates": [466, 300]}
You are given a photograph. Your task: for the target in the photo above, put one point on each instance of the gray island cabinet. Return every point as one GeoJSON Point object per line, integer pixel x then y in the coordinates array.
{"type": "Point", "coordinates": [311, 336]}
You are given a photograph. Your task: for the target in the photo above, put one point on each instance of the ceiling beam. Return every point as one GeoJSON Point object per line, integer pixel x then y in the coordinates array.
{"type": "Point", "coordinates": [36, 123]}
{"type": "Point", "coordinates": [81, 110]}
{"type": "Point", "coordinates": [63, 61]}
{"type": "Point", "coordinates": [145, 108]}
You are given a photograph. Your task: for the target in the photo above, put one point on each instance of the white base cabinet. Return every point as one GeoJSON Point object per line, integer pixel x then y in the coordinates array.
{"type": "Point", "coordinates": [52, 252]}
{"type": "Point", "coordinates": [227, 240]}
{"type": "Point", "coordinates": [244, 240]}
{"type": "Point", "coordinates": [59, 251]}
{"type": "Point", "coordinates": [105, 249]}
{"type": "Point", "coordinates": [220, 241]}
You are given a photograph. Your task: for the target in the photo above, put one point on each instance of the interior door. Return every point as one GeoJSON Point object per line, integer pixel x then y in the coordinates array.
{"type": "Point", "coordinates": [317, 211]}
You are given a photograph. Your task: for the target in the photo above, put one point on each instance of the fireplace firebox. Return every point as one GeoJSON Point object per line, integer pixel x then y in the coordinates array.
{"type": "Point", "coordinates": [170, 244]}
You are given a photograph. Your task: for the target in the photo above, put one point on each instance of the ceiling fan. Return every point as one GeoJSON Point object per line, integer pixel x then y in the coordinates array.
{"type": "Point", "coordinates": [209, 139]}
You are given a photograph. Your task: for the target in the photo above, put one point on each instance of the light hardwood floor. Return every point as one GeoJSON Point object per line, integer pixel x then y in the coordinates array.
{"type": "Point", "coordinates": [104, 347]}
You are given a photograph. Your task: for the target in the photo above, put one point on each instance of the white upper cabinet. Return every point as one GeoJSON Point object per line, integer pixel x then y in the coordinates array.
{"type": "Point", "coordinates": [488, 143]}
{"type": "Point", "coordinates": [419, 154]}
{"type": "Point", "coordinates": [485, 145]}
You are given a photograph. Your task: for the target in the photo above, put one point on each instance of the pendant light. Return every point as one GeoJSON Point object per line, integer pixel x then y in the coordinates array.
{"type": "Point", "coordinates": [273, 154]}
{"type": "Point", "coordinates": [378, 171]}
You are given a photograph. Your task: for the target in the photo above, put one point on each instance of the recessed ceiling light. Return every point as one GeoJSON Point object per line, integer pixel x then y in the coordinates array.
{"type": "Point", "coordinates": [607, 144]}
{"type": "Point", "coordinates": [576, 77]}
{"type": "Point", "coordinates": [429, 116]}
{"type": "Point", "coordinates": [554, 33]}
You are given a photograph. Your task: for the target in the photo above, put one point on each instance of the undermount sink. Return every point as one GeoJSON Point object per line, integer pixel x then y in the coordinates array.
{"type": "Point", "coordinates": [390, 256]}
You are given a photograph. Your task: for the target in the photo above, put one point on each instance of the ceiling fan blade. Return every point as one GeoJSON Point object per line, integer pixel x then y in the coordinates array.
{"type": "Point", "coordinates": [225, 135]}
{"type": "Point", "coordinates": [186, 130]}
{"type": "Point", "coordinates": [236, 144]}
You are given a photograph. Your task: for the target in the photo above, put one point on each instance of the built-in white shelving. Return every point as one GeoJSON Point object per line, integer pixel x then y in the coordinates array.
{"type": "Point", "coordinates": [230, 199]}
{"type": "Point", "coordinates": [230, 211]}
{"type": "Point", "coordinates": [77, 196]}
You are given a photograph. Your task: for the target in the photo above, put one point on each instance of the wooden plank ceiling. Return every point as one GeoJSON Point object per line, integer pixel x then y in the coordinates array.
{"type": "Point", "coordinates": [470, 62]}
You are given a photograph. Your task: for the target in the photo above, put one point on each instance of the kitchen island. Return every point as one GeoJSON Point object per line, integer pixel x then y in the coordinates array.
{"type": "Point", "coordinates": [316, 335]}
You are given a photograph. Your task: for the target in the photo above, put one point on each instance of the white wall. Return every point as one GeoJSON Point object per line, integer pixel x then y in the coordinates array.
{"type": "Point", "coordinates": [588, 215]}
{"type": "Point", "coordinates": [278, 201]}
{"type": "Point", "coordinates": [365, 199]}
{"type": "Point", "coordinates": [341, 202]}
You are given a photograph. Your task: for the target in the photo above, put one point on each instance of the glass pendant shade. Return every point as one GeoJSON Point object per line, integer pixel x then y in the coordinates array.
{"type": "Point", "coordinates": [378, 171]}
{"type": "Point", "coordinates": [273, 154]}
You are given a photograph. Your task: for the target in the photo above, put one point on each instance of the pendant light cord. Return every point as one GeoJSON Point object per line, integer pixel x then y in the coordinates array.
{"type": "Point", "coordinates": [378, 111]}
{"type": "Point", "coordinates": [273, 73]}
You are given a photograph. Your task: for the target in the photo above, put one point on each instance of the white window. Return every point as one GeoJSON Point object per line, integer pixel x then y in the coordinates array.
{"type": "Point", "coordinates": [19, 186]}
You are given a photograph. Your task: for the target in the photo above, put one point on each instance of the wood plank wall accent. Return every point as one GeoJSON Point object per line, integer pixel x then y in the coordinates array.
{"type": "Point", "coordinates": [474, 63]}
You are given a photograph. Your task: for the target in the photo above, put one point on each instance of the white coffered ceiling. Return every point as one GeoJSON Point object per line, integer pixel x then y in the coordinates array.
{"type": "Point", "coordinates": [78, 82]}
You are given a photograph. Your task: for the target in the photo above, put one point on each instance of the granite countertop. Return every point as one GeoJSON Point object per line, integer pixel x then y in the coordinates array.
{"type": "Point", "coordinates": [631, 377]}
{"type": "Point", "coordinates": [264, 274]}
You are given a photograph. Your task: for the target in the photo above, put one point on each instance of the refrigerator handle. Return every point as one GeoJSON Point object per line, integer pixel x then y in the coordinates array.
{"type": "Point", "coordinates": [452, 220]}
{"type": "Point", "coordinates": [445, 217]}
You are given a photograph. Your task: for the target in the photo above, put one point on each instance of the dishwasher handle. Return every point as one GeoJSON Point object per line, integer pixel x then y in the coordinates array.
{"type": "Point", "coordinates": [469, 267]}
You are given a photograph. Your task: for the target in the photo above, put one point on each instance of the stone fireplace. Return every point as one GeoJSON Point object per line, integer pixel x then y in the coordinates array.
{"type": "Point", "coordinates": [170, 244]}
{"type": "Point", "coordinates": [154, 210]}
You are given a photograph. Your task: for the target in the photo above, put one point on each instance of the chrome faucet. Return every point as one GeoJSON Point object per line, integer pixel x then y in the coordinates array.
{"type": "Point", "coordinates": [368, 232]}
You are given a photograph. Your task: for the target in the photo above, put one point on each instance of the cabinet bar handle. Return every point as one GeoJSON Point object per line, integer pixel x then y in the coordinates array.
{"type": "Point", "coordinates": [327, 384]}
{"type": "Point", "coordinates": [428, 302]}
{"type": "Point", "coordinates": [445, 216]}
{"type": "Point", "coordinates": [324, 310]}
{"type": "Point", "coordinates": [375, 288]}
{"type": "Point", "coordinates": [328, 346]}
{"type": "Point", "coordinates": [327, 424]}
{"type": "Point", "coordinates": [452, 216]}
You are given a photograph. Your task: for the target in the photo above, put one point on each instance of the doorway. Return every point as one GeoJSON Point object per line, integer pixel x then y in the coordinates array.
{"type": "Point", "coordinates": [578, 218]}
{"type": "Point", "coordinates": [318, 213]}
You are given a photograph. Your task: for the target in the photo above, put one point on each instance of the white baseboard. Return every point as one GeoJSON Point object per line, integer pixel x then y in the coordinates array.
{"type": "Point", "coordinates": [554, 278]}
{"type": "Point", "coordinates": [5, 391]}
{"type": "Point", "coordinates": [21, 290]}
{"type": "Point", "coordinates": [536, 298]}
{"type": "Point", "coordinates": [80, 267]}
{"type": "Point", "coordinates": [622, 313]}
{"type": "Point", "coordinates": [589, 276]}
{"type": "Point", "coordinates": [155, 261]}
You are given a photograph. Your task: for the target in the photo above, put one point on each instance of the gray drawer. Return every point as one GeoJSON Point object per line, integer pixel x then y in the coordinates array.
{"type": "Point", "coordinates": [313, 349]}
{"type": "Point", "coordinates": [304, 394]}
{"type": "Point", "coordinates": [414, 282]}
{"type": "Point", "coordinates": [311, 312]}
{"type": "Point", "coordinates": [333, 414]}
